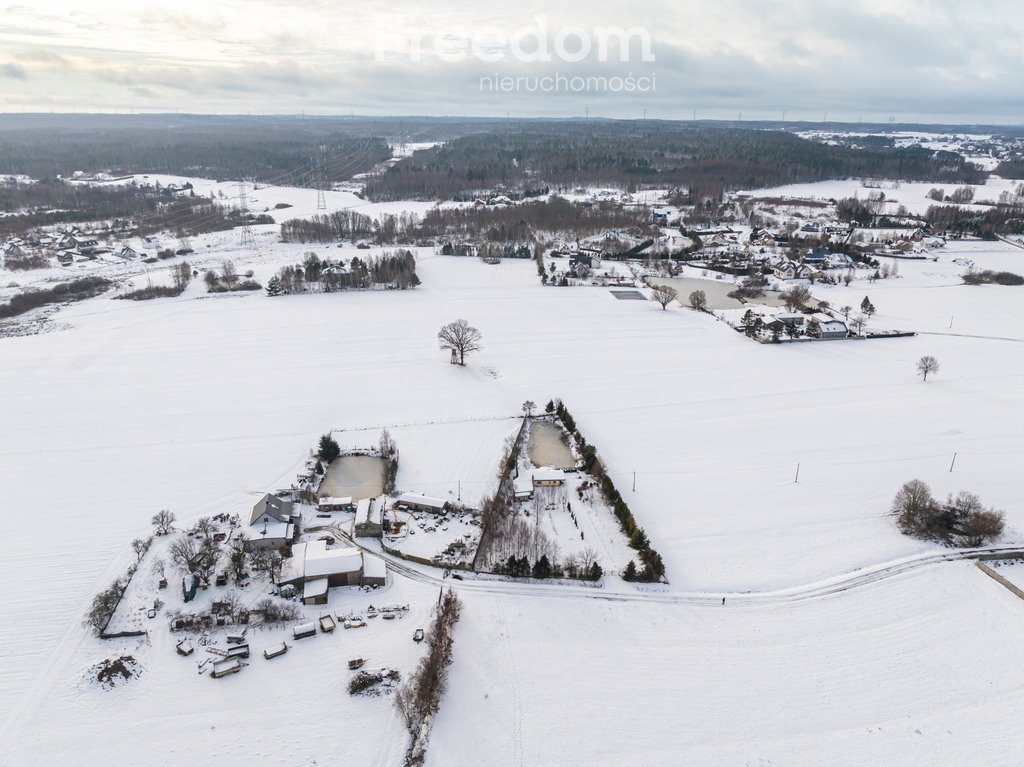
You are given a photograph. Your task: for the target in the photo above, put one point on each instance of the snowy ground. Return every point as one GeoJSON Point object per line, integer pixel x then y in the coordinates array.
{"type": "Point", "coordinates": [201, 404]}
{"type": "Point", "coordinates": [883, 675]}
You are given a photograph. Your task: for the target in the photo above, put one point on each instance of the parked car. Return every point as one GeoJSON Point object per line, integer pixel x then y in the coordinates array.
{"type": "Point", "coordinates": [417, 635]}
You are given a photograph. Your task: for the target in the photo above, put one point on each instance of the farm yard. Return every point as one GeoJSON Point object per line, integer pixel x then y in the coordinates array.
{"type": "Point", "coordinates": [759, 472]}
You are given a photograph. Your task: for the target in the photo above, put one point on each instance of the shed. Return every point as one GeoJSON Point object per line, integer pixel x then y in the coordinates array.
{"type": "Point", "coordinates": [375, 571]}
{"type": "Point", "coordinates": [315, 592]}
{"type": "Point", "coordinates": [369, 522]}
{"type": "Point", "coordinates": [422, 502]}
{"type": "Point", "coordinates": [329, 503]}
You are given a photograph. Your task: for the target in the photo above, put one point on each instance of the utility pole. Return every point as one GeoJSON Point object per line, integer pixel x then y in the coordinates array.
{"type": "Point", "coordinates": [634, 481]}
{"type": "Point", "coordinates": [797, 477]}
{"type": "Point", "coordinates": [951, 464]}
{"type": "Point", "coordinates": [247, 240]}
{"type": "Point", "coordinates": [321, 181]}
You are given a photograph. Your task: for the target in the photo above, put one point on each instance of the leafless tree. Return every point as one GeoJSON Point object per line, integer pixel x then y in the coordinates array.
{"type": "Point", "coordinates": [159, 568]}
{"type": "Point", "coordinates": [186, 555]}
{"type": "Point", "coordinates": [796, 298]}
{"type": "Point", "coordinates": [164, 522]}
{"type": "Point", "coordinates": [230, 273]}
{"type": "Point", "coordinates": [663, 295]}
{"type": "Point", "coordinates": [140, 546]}
{"type": "Point", "coordinates": [857, 323]}
{"type": "Point", "coordinates": [528, 407]}
{"type": "Point", "coordinates": [927, 364]}
{"type": "Point", "coordinates": [205, 527]}
{"type": "Point", "coordinates": [698, 300]}
{"type": "Point", "coordinates": [460, 337]}
{"type": "Point", "coordinates": [182, 275]}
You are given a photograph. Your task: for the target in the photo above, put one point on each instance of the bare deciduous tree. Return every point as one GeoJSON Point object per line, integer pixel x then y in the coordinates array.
{"type": "Point", "coordinates": [528, 407]}
{"type": "Point", "coordinates": [461, 338]}
{"type": "Point", "coordinates": [698, 300]}
{"type": "Point", "coordinates": [796, 298]}
{"type": "Point", "coordinates": [182, 275]}
{"type": "Point", "coordinates": [230, 272]}
{"type": "Point", "coordinates": [163, 521]}
{"type": "Point", "coordinates": [159, 568]}
{"type": "Point", "coordinates": [140, 546]}
{"type": "Point", "coordinates": [927, 364]}
{"type": "Point", "coordinates": [663, 295]}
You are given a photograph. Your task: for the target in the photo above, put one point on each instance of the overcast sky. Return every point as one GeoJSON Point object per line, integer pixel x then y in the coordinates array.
{"type": "Point", "coordinates": [908, 59]}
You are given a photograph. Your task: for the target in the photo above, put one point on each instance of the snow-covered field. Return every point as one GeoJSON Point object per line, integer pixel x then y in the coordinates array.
{"type": "Point", "coordinates": [913, 195]}
{"type": "Point", "coordinates": [924, 669]}
{"type": "Point", "coordinates": [201, 404]}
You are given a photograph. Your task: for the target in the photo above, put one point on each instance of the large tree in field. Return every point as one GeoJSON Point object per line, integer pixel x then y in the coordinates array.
{"type": "Point", "coordinates": [460, 337]}
{"type": "Point", "coordinates": [927, 364]}
{"type": "Point", "coordinates": [664, 295]}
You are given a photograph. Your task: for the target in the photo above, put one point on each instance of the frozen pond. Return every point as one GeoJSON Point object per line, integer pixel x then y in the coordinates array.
{"type": "Point", "coordinates": [716, 292]}
{"type": "Point", "coordinates": [358, 476]}
{"type": "Point", "coordinates": [547, 446]}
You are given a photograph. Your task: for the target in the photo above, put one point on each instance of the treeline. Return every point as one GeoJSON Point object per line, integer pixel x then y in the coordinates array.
{"type": "Point", "coordinates": [707, 159]}
{"type": "Point", "coordinates": [499, 223]}
{"type": "Point", "coordinates": [518, 223]}
{"type": "Point", "coordinates": [987, 224]}
{"type": "Point", "coordinates": [395, 270]}
{"type": "Point", "coordinates": [126, 207]}
{"type": "Point", "coordinates": [210, 147]}
{"type": "Point", "coordinates": [419, 699]}
{"type": "Point", "coordinates": [76, 290]}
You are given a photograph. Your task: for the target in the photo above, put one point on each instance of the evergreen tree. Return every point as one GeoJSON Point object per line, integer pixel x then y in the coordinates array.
{"type": "Point", "coordinates": [550, 407]}
{"type": "Point", "coordinates": [629, 574]}
{"type": "Point", "coordinates": [274, 287]}
{"type": "Point", "coordinates": [542, 568]}
{"type": "Point", "coordinates": [328, 449]}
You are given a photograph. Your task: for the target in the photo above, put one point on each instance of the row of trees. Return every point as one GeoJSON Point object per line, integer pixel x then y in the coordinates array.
{"type": "Point", "coordinates": [395, 270]}
{"type": "Point", "coordinates": [419, 698]}
{"type": "Point", "coordinates": [652, 568]}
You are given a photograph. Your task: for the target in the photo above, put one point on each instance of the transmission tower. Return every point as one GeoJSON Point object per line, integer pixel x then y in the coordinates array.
{"type": "Point", "coordinates": [243, 206]}
{"type": "Point", "coordinates": [321, 180]}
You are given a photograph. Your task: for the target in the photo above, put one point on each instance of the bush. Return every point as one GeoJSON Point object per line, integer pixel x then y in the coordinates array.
{"type": "Point", "coordinates": [989, 277]}
{"type": "Point", "coordinates": [76, 290]}
{"type": "Point", "coordinates": [152, 291]}
{"type": "Point", "coordinates": [960, 521]}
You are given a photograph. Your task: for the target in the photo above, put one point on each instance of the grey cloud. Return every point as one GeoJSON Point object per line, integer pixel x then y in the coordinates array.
{"type": "Point", "coordinates": [13, 71]}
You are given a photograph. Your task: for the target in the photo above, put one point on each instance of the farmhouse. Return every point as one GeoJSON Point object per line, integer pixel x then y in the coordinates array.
{"type": "Point", "coordinates": [791, 270]}
{"type": "Point", "coordinates": [422, 503]}
{"type": "Point", "coordinates": [328, 503]}
{"type": "Point", "coordinates": [829, 327]}
{"type": "Point", "coordinates": [270, 524]}
{"type": "Point", "coordinates": [550, 477]}
{"type": "Point", "coordinates": [369, 521]}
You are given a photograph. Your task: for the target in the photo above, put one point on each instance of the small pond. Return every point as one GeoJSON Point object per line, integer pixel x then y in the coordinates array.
{"type": "Point", "coordinates": [355, 476]}
{"type": "Point", "coordinates": [547, 446]}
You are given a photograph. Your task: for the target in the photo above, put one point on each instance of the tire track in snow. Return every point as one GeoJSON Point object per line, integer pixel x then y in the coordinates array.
{"type": "Point", "coordinates": [824, 588]}
{"type": "Point", "coordinates": [517, 695]}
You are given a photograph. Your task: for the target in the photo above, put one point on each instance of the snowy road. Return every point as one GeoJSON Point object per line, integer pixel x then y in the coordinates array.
{"type": "Point", "coordinates": [816, 590]}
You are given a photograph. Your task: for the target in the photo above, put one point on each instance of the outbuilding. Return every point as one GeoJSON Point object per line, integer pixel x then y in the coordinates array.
{"type": "Point", "coordinates": [422, 503]}
{"type": "Point", "coordinates": [369, 521]}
